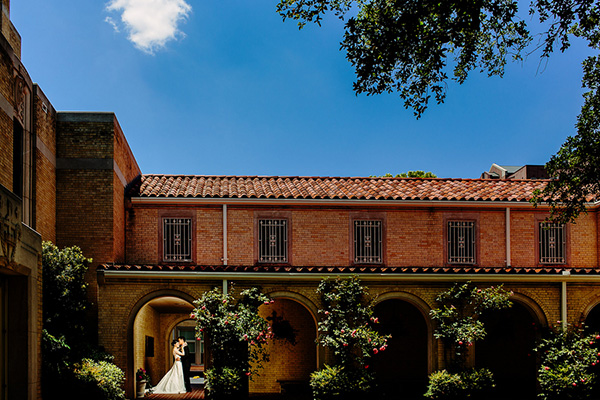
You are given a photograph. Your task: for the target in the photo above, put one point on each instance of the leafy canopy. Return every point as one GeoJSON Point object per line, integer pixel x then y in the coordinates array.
{"type": "Point", "coordinates": [568, 358]}
{"type": "Point", "coordinates": [411, 174]}
{"type": "Point", "coordinates": [413, 47]}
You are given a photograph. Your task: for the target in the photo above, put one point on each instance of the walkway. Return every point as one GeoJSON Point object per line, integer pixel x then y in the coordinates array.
{"type": "Point", "coordinates": [196, 393]}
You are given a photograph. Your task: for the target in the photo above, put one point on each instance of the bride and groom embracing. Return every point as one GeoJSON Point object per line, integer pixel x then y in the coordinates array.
{"type": "Point", "coordinates": [177, 380]}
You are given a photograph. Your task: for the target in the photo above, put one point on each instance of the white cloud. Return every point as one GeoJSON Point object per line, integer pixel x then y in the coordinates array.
{"type": "Point", "coordinates": [150, 23]}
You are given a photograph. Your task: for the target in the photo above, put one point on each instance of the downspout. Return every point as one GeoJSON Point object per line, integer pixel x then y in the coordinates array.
{"type": "Point", "coordinates": [563, 300]}
{"type": "Point", "coordinates": [508, 261]}
{"type": "Point", "coordinates": [225, 245]}
{"type": "Point", "coordinates": [224, 234]}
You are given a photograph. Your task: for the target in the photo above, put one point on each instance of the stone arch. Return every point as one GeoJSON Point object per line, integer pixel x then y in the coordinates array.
{"type": "Point", "coordinates": [589, 307]}
{"type": "Point", "coordinates": [292, 358]}
{"type": "Point", "coordinates": [135, 309]}
{"type": "Point", "coordinates": [532, 306]}
{"type": "Point", "coordinates": [303, 300]}
{"type": "Point", "coordinates": [409, 358]}
{"type": "Point", "coordinates": [508, 347]}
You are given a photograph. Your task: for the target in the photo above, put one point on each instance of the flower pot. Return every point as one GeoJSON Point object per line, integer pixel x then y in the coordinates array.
{"type": "Point", "coordinates": [140, 389]}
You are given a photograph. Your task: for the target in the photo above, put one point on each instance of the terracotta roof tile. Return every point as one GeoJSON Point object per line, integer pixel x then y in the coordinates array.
{"type": "Point", "coordinates": [277, 187]}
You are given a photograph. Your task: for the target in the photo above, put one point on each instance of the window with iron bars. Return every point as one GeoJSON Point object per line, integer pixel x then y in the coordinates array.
{"type": "Point", "coordinates": [272, 241]}
{"type": "Point", "coordinates": [461, 242]}
{"type": "Point", "coordinates": [367, 242]}
{"type": "Point", "coordinates": [552, 243]}
{"type": "Point", "coordinates": [177, 239]}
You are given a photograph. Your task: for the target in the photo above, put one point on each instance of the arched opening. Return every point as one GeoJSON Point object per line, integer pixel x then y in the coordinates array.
{"type": "Point", "coordinates": [402, 369]}
{"type": "Point", "coordinates": [292, 351]}
{"type": "Point", "coordinates": [154, 321]}
{"type": "Point", "coordinates": [592, 325]}
{"type": "Point", "coordinates": [507, 351]}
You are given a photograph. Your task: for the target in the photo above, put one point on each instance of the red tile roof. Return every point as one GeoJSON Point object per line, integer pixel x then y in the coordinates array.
{"type": "Point", "coordinates": [319, 188]}
{"type": "Point", "coordinates": [547, 270]}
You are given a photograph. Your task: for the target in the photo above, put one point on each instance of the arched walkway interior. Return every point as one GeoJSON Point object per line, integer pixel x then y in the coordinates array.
{"type": "Point", "coordinates": [401, 370]}
{"type": "Point", "coordinates": [507, 351]}
{"type": "Point", "coordinates": [293, 350]}
{"type": "Point", "coordinates": [156, 324]}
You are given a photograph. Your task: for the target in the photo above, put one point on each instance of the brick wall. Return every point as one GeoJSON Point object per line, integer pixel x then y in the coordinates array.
{"type": "Point", "coordinates": [288, 361]}
{"type": "Point", "coordinates": [322, 237]}
{"type": "Point", "coordinates": [45, 189]}
{"type": "Point", "coordinates": [147, 324]}
{"type": "Point", "coordinates": [6, 124]}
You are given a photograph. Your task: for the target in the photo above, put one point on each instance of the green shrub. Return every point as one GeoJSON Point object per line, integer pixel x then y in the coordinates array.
{"type": "Point", "coordinates": [338, 382]}
{"type": "Point", "coordinates": [100, 380]}
{"type": "Point", "coordinates": [566, 365]}
{"type": "Point", "coordinates": [223, 382]}
{"type": "Point", "coordinates": [469, 384]}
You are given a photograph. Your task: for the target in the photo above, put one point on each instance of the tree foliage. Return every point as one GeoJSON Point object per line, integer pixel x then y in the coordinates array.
{"type": "Point", "coordinates": [568, 358]}
{"type": "Point", "coordinates": [412, 46]}
{"type": "Point", "coordinates": [411, 174]}
{"type": "Point", "coordinates": [347, 328]}
{"type": "Point", "coordinates": [237, 337]}
{"type": "Point", "coordinates": [459, 327]}
{"type": "Point", "coordinates": [69, 358]}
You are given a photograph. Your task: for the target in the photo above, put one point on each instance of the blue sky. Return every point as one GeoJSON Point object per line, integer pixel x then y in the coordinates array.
{"type": "Point", "coordinates": [227, 88]}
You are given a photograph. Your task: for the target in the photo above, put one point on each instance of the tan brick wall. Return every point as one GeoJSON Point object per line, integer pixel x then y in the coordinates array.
{"type": "Point", "coordinates": [6, 149]}
{"type": "Point", "coordinates": [288, 361]}
{"type": "Point", "coordinates": [45, 190]}
{"type": "Point", "coordinates": [147, 324]}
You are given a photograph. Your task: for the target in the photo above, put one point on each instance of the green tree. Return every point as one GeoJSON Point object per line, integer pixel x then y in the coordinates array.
{"type": "Point", "coordinates": [411, 174]}
{"type": "Point", "coordinates": [237, 336]}
{"type": "Point", "coordinates": [346, 327]}
{"type": "Point", "coordinates": [568, 358]}
{"type": "Point", "coordinates": [69, 358]}
{"type": "Point", "coordinates": [459, 327]}
{"type": "Point", "coordinates": [412, 46]}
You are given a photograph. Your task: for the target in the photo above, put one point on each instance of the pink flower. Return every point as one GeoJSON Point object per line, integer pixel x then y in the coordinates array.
{"type": "Point", "coordinates": [597, 337]}
{"type": "Point", "coordinates": [342, 331]}
{"type": "Point", "coordinates": [592, 343]}
{"type": "Point", "coordinates": [375, 351]}
{"type": "Point", "coordinates": [203, 308]}
{"type": "Point", "coordinates": [460, 342]}
{"type": "Point", "coordinates": [198, 338]}
{"type": "Point", "coordinates": [248, 373]}
{"type": "Point", "coordinates": [345, 344]}
{"type": "Point", "coordinates": [192, 315]}
{"type": "Point", "coordinates": [326, 312]}
{"type": "Point", "coordinates": [547, 368]}
{"type": "Point", "coordinates": [366, 366]}
{"type": "Point", "coordinates": [574, 383]}
{"type": "Point", "coordinates": [224, 301]}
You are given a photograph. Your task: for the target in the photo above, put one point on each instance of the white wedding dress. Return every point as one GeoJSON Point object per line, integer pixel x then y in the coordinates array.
{"type": "Point", "coordinates": [172, 382]}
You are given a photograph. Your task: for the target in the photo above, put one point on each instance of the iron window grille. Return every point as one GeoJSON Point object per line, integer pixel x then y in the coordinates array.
{"type": "Point", "coordinates": [367, 242]}
{"type": "Point", "coordinates": [272, 241]}
{"type": "Point", "coordinates": [177, 239]}
{"type": "Point", "coordinates": [461, 242]}
{"type": "Point", "coordinates": [552, 243]}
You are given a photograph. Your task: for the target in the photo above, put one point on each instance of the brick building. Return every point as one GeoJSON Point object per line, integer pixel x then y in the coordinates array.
{"type": "Point", "coordinates": [158, 242]}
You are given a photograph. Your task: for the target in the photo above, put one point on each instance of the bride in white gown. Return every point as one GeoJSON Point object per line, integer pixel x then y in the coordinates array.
{"type": "Point", "coordinates": [172, 382]}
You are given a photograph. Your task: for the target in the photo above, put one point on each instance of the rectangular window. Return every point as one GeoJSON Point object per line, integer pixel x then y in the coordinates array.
{"type": "Point", "coordinates": [177, 239]}
{"type": "Point", "coordinates": [552, 243]}
{"type": "Point", "coordinates": [461, 242]}
{"type": "Point", "coordinates": [272, 240]}
{"type": "Point", "coordinates": [367, 242]}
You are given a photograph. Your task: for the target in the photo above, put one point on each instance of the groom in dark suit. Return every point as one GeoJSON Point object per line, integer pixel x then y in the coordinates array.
{"type": "Point", "coordinates": [186, 363]}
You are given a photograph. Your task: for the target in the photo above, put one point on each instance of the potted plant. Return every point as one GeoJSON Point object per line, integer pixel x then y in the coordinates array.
{"type": "Point", "coordinates": [141, 378]}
